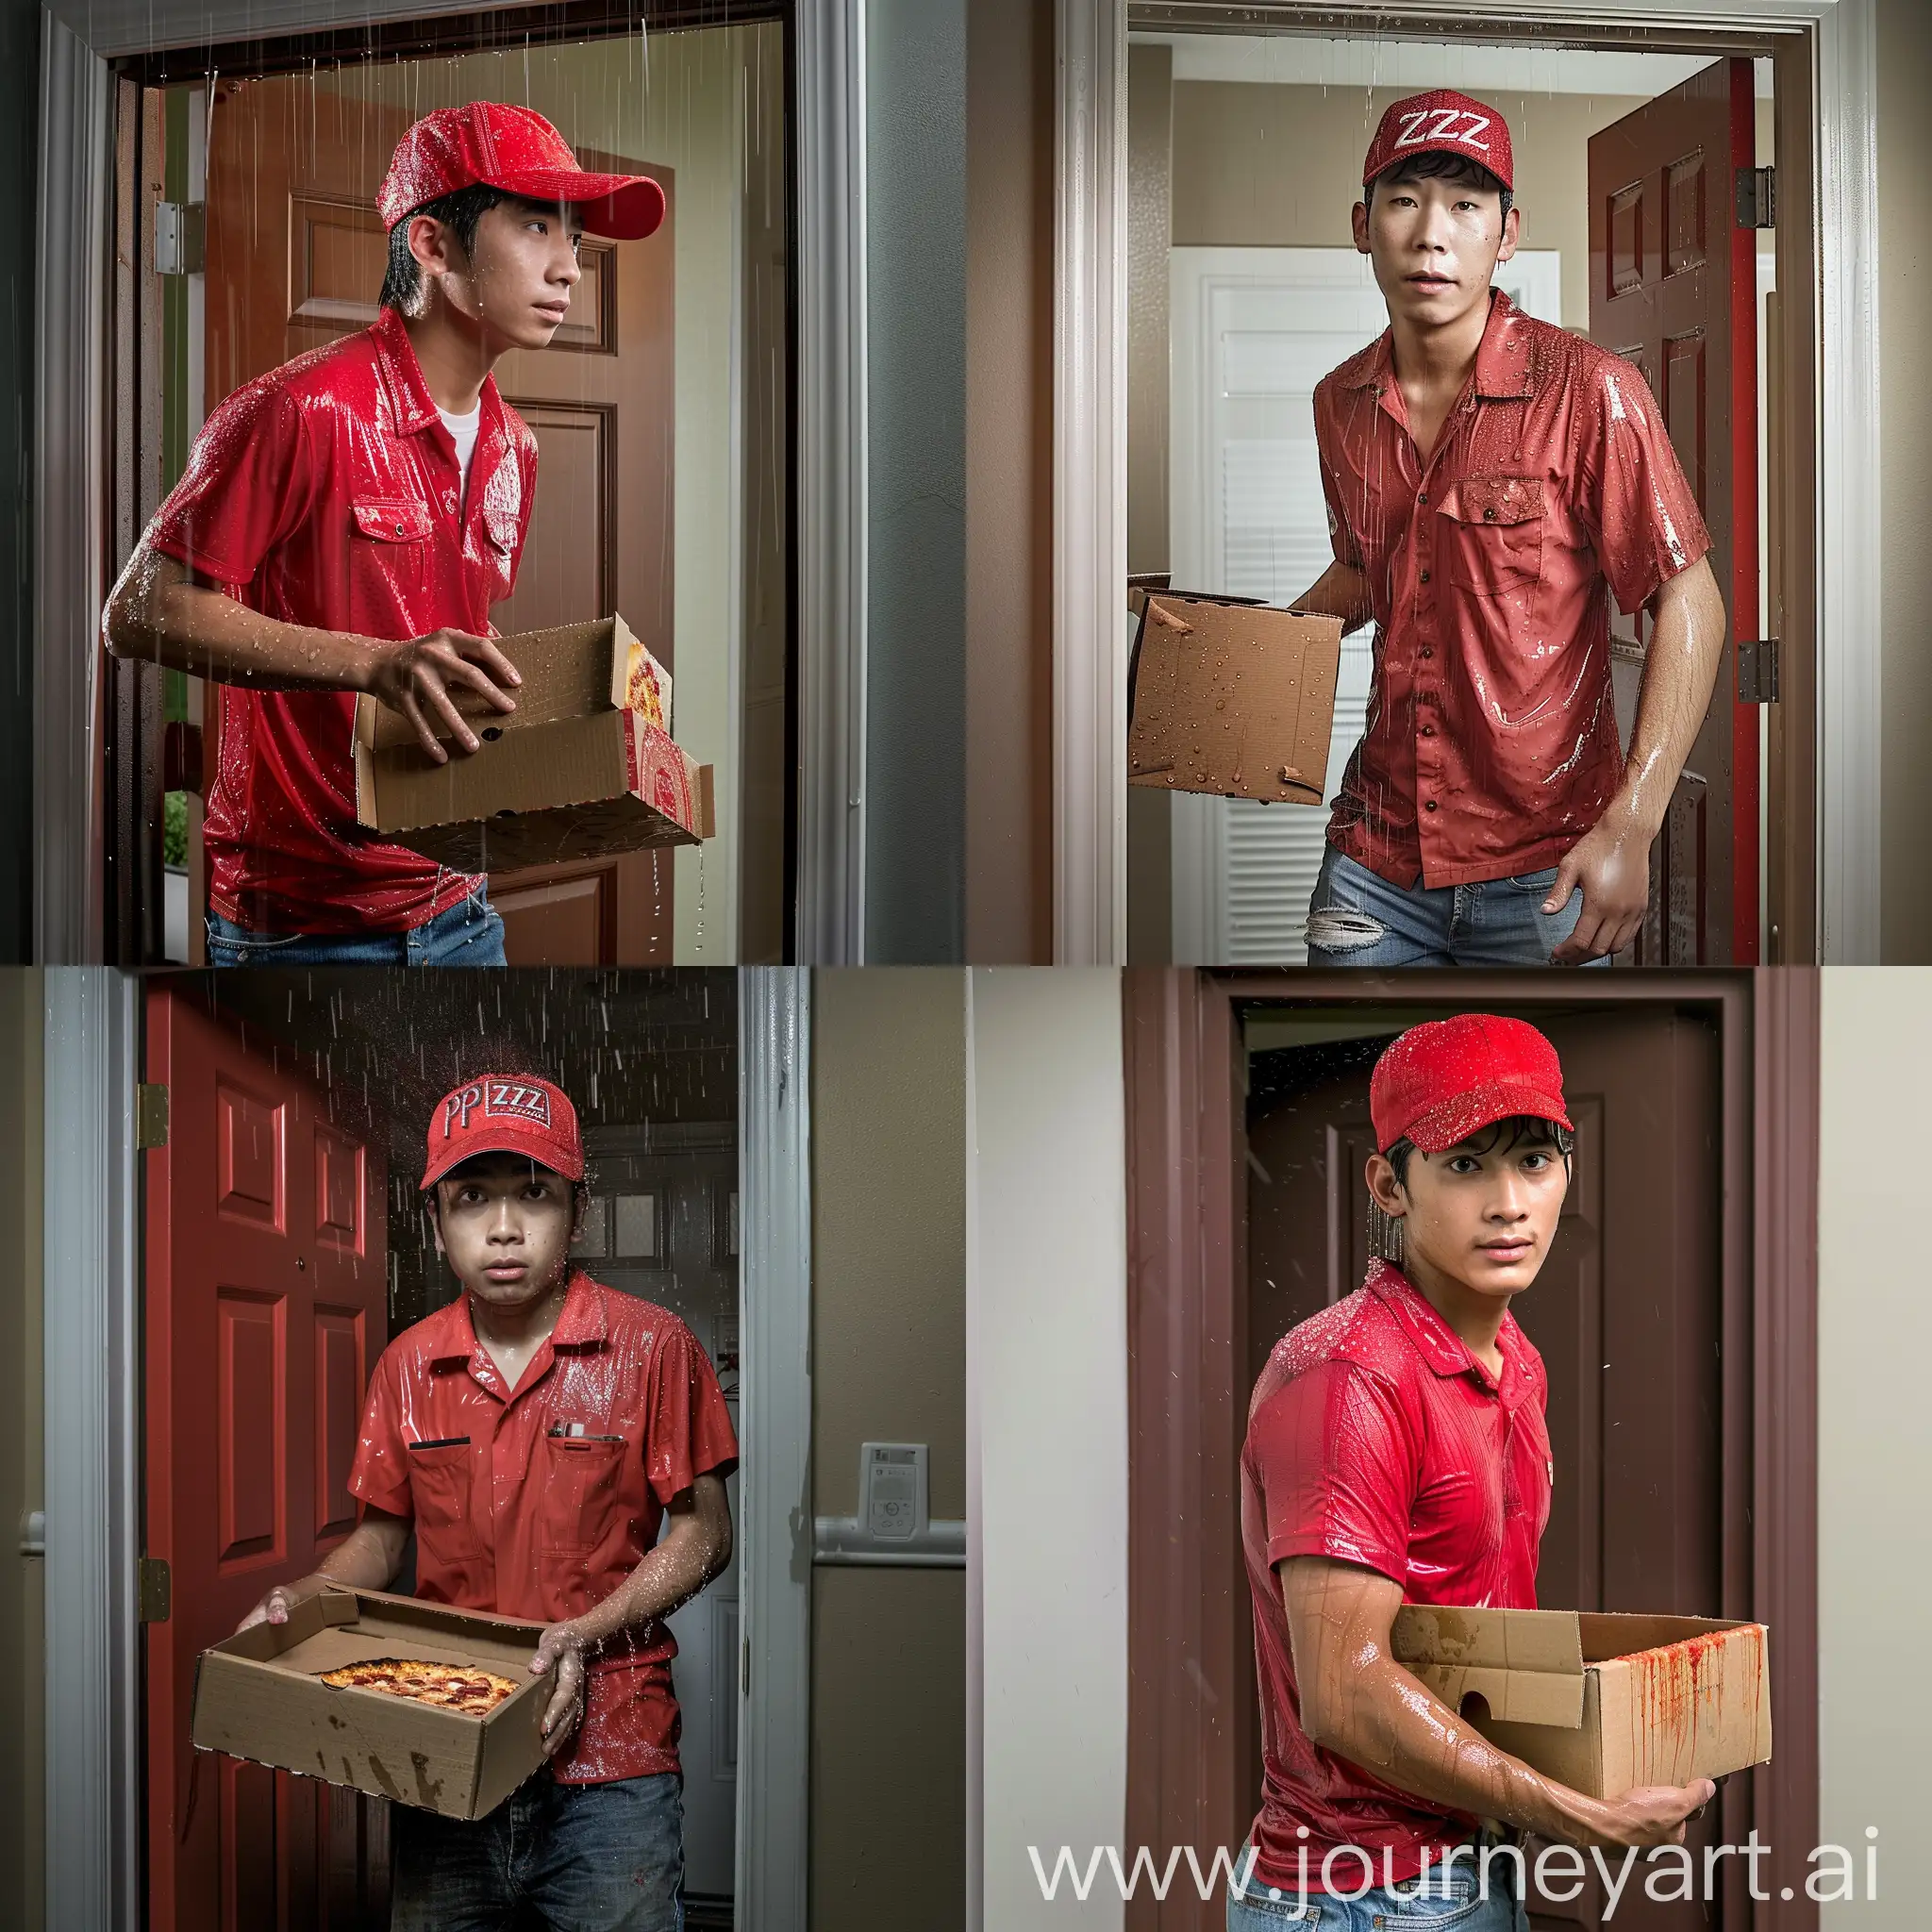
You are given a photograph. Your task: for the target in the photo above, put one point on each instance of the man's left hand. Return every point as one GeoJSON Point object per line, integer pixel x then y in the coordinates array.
{"type": "Point", "coordinates": [561, 1649]}
{"type": "Point", "coordinates": [1611, 862]}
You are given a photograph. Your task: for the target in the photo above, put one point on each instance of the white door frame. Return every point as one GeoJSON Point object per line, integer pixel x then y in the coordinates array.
{"type": "Point", "coordinates": [1089, 438]}
{"type": "Point", "coordinates": [71, 459]}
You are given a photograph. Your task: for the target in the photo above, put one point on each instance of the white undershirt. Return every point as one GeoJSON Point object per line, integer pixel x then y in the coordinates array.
{"type": "Point", "coordinates": [464, 429]}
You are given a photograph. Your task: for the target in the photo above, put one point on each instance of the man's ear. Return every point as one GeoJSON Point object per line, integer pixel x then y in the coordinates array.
{"type": "Point", "coordinates": [433, 1207]}
{"type": "Point", "coordinates": [434, 244]}
{"type": "Point", "coordinates": [1384, 1189]}
{"type": "Point", "coordinates": [1512, 233]}
{"type": "Point", "coordinates": [1358, 220]}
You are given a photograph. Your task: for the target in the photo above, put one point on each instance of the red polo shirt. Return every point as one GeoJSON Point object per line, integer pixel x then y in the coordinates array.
{"type": "Point", "coordinates": [1491, 743]}
{"type": "Point", "coordinates": [513, 1516]}
{"type": "Point", "coordinates": [1376, 1437]}
{"type": "Point", "coordinates": [327, 493]}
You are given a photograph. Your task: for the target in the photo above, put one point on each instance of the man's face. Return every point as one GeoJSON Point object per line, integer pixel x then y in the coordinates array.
{"type": "Point", "coordinates": [1434, 244]}
{"type": "Point", "coordinates": [1482, 1212]}
{"type": "Point", "coordinates": [504, 1226]}
{"type": "Point", "coordinates": [515, 284]}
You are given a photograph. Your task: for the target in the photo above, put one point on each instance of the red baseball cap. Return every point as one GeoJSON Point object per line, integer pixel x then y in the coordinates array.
{"type": "Point", "coordinates": [504, 1113]}
{"type": "Point", "coordinates": [1446, 1079]}
{"type": "Point", "coordinates": [1442, 121]}
{"type": "Point", "coordinates": [518, 151]}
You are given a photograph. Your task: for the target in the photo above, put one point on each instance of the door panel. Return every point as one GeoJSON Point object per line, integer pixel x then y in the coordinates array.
{"type": "Point", "coordinates": [265, 1299]}
{"type": "Point", "coordinates": [295, 255]}
{"type": "Point", "coordinates": [1625, 1312]}
{"type": "Point", "coordinates": [1673, 287]}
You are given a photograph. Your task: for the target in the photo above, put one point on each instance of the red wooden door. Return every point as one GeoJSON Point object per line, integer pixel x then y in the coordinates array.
{"type": "Point", "coordinates": [1673, 286]}
{"type": "Point", "coordinates": [295, 255]}
{"type": "Point", "coordinates": [1627, 1314]}
{"type": "Point", "coordinates": [266, 1309]}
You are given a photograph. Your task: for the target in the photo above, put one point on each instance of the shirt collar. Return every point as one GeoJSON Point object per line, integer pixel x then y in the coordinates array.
{"type": "Point", "coordinates": [411, 406]}
{"type": "Point", "coordinates": [1439, 1345]}
{"type": "Point", "coordinates": [1502, 358]}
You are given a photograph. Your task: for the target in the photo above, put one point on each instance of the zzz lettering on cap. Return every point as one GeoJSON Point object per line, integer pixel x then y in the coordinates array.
{"type": "Point", "coordinates": [518, 1100]}
{"type": "Point", "coordinates": [1439, 123]}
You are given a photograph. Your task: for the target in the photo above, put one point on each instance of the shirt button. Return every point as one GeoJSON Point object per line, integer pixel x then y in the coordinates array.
{"type": "Point", "coordinates": [399, 529]}
{"type": "Point", "coordinates": [1425, 576]}
{"type": "Point", "coordinates": [1428, 804]}
{"type": "Point", "coordinates": [1423, 497]}
{"type": "Point", "coordinates": [1488, 516]}
{"type": "Point", "coordinates": [1428, 731]}
{"type": "Point", "coordinates": [1428, 651]}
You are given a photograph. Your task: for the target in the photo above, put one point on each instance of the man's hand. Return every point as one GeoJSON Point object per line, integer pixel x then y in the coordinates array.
{"type": "Point", "coordinates": [415, 679]}
{"type": "Point", "coordinates": [561, 1649]}
{"type": "Point", "coordinates": [1611, 862]}
{"type": "Point", "coordinates": [276, 1606]}
{"type": "Point", "coordinates": [1651, 1814]}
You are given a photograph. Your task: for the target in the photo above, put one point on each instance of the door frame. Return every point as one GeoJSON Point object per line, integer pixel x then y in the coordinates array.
{"type": "Point", "coordinates": [77, 408]}
{"type": "Point", "coordinates": [1187, 1293]}
{"type": "Point", "coordinates": [1822, 790]}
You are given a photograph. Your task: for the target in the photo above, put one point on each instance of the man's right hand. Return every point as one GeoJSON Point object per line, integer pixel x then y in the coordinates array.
{"type": "Point", "coordinates": [415, 680]}
{"type": "Point", "coordinates": [1651, 1814]}
{"type": "Point", "coordinates": [276, 1606]}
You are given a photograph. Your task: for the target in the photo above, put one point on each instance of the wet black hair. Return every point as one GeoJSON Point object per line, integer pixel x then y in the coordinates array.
{"type": "Point", "coordinates": [461, 210]}
{"type": "Point", "coordinates": [1519, 1129]}
{"type": "Point", "coordinates": [1432, 167]}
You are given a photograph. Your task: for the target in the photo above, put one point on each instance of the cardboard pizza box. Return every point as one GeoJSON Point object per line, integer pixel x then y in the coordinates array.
{"type": "Point", "coordinates": [585, 765]}
{"type": "Point", "coordinates": [1600, 1702]}
{"type": "Point", "coordinates": [1231, 697]}
{"type": "Point", "coordinates": [259, 1695]}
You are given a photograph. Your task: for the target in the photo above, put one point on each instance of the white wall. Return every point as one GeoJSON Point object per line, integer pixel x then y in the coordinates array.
{"type": "Point", "coordinates": [1046, 1354]}
{"type": "Point", "coordinates": [1874, 1435]}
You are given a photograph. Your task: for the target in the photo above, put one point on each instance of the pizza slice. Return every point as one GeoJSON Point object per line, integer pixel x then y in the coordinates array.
{"type": "Point", "coordinates": [449, 1687]}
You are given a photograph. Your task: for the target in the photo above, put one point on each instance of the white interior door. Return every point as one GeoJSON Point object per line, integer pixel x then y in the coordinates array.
{"type": "Point", "coordinates": [1252, 332]}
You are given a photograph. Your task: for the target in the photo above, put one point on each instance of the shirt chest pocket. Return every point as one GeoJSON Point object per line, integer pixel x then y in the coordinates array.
{"type": "Point", "coordinates": [500, 526]}
{"type": "Point", "coordinates": [1491, 533]}
{"type": "Point", "coordinates": [440, 1485]}
{"type": "Point", "coordinates": [581, 1477]}
{"type": "Point", "coordinates": [391, 535]}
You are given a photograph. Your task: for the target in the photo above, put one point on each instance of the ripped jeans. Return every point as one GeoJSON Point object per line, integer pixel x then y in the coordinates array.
{"type": "Point", "coordinates": [1358, 918]}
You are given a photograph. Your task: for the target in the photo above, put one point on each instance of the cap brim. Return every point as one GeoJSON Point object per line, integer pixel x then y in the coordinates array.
{"type": "Point", "coordinates": [1433, 148]}
{"type": "Point", "coordinates": [623, 207]}
{"type": "Point", "coordinates": [469, 1151]}
{"type": "Point", "coordinates": [1455, 1120]}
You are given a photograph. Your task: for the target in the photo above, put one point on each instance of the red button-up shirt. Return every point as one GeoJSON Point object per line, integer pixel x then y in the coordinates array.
{"type": "Point", "coordinates": [327, 493]}
{"type": "Point", "coordinates": [539, 1502]}
{"type": "Point", "coordinates": [1375, 1438]}
{"type": "Point", "coordinates": [1491, 742]}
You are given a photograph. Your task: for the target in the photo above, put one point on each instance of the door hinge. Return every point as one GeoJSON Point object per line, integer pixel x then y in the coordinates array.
{"type": "Point", "coordinates": [156, 1591]}
{"type": "Point", "coordinates": [1757, 197]}
{"type": "Point", "coordinates": [180, 238]}
{"type": "Point", "coordinates": [150, 1115]}
{"type": "Point", "coordinates": [33, 1533]}
{"type": "Point", "coordinates": [1758, 670]}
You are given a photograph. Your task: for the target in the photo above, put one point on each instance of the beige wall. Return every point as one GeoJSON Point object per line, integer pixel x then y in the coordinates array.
{"type": "Point", "coordinates": [23, 1820]}
{"type": "Point", "coordinates": [1904, 290]}
{"type": "Point", "coordinates": [889, 1364]}
{"type": "Point", "coordinates": [1874, 1433]}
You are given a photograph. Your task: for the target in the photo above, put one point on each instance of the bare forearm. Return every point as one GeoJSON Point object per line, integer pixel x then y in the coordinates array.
{"type": "Point", "coordinates": [1391, 1725]}
{"type": "Point", "coordinates": [1685, 647]}
{"type": "Point", "coordinates": [668, 1577]}
{"type": "Point", "coordinates": [366, 1558]}
{"type": "Point", "coordinates": [158, 612]}
{"type": "Point", "coordinates": [1342, 591]}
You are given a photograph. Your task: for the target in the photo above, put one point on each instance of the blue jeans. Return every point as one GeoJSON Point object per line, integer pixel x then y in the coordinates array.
{"type": "Point", "coordinates": [470, 933]}
{"type": "Point", "coordinates": [1357, 918]}
{"type": "Point", "coordinates": [1452, 1902]}
{"type": "Point", "coordinates": [603, 1857]}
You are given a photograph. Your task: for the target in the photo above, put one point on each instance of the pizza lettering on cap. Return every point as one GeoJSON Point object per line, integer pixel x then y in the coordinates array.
{"type": "Point", "coordinates": [504, 1113]}
{"type": "Point", "coordinates": [1442, 121]}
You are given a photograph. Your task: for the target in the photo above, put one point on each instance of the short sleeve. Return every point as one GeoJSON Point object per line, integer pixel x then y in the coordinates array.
{"type": "Point", "coordinates": [689, 1432]}
{"type": "Point", "coordinates": [1638, 504]}
{"type": "Point", "coordinates": [247, 487]}
{"type": "Point", "coordinates": [1342, 539]}
{"type": "Point", "coordinates": [380, 1473]}
{"type": "Point", "coordinates": [1338, 1468]}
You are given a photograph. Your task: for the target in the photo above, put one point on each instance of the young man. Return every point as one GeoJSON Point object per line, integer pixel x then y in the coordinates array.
{"type": "Point", "coordinates": [1396, 1452]}
{"type": "Point", "coordinates": [1487, 475]}
{"type": "Point", "coordinates": [344, 525]}
{"type": "Point", "coordinates": [534, 1435]}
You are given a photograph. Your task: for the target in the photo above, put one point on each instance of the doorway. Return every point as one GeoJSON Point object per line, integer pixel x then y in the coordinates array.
{"type": "Point", "coordinates": [285, 1247]}
{"type": "Point", "coordinates": [661, 413]}
{"type": "Point", "coordinates": [1680, 1271]}
{"type": "Point", "coordinates": [1251, 142]}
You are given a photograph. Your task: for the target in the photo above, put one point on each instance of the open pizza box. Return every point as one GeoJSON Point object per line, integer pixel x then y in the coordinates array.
{"type": "Point", "coordinates": [1600, 1702]}
{"type": "Point", "coordinates": [260, 1696]}
{"type": "Point", "coordinates": [585, 766]}
{"type": "Point", "coordinates": [1230, 697]}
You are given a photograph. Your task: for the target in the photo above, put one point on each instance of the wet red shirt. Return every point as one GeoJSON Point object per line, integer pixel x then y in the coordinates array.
{"type": "Point", "coordinates": [514, 1515]}
{"type": "Point", "coordinates": [1375, 1438]}
{"type": "Point", "coordinates": [1491, 742]}
{"type": "Point", "coordinates": [327, 493]}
